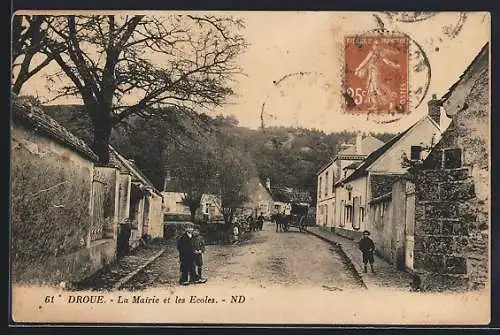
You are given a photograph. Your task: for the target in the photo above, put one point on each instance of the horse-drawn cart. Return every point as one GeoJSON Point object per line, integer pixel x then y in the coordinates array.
{"type": "Point", "coordinates": [296, 218]}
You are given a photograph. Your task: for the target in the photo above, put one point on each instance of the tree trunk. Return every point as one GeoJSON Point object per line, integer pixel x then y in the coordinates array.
{"type": "Point", "coordinates": [193, 213]}
{"type": "Point", "coordinates": [102, 134]}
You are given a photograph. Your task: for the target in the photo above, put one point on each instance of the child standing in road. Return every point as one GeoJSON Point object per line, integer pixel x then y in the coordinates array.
{"type": "Point", "coordinates": [199, 249]}
{"type": "Point", "coordinates": [367, 247]}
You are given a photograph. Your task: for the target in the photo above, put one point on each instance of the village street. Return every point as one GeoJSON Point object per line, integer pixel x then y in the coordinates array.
{"type": "Point", "coordinates": [267, 259]}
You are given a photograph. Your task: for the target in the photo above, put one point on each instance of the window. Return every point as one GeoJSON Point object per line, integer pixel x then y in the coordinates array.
{"type": "Point", "coordinates": [320, 187]}
{"type": "Point", "coordinates": [342, 217]}
{"type": "Point", "coordinates": [361, 214]}
{"type": "Point", "coordinates": [452, 158]}
{"type": "Point", "coordinates": [348, 214]}
{"type": "Point", "coordinates": [326, 184]}
{"type": "Point", "coordinates": [207, 208]}
{"type": "Point", "coordinates": [349, 195]}
{"type": "Point", "coordinates": [415, 152]}
{"type": "Point", "coordinates": [333, 182]}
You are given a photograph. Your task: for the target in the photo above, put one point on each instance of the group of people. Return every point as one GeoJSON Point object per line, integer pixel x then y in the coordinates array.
{"type": "Point", "coordinates": [191, 247]}
{"type": "Point", "coordinates": [257, 224]}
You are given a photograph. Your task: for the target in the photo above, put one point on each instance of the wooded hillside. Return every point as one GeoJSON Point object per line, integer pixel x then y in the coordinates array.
{"type": "Point", "coordinates": [288, 156]}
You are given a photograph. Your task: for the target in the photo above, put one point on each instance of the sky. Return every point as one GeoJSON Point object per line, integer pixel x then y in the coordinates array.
{"type": "Point", "coordinates": [303, 53]}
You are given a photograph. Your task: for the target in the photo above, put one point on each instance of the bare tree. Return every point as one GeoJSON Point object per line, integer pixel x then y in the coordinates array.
{"type": "Point", "coordinates": [194, 172]}
{"type": "Point", "coordinates": [125, 65]}
{"type": "Point", "coordinates": [28, 38]}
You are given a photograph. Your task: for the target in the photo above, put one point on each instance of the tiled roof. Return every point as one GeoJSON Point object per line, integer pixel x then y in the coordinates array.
{"type": "Point", "coordinates": [128, 166]}
{"type": "Point", "coordinates": [368, 145]}
{"type": "Point", "coordinates": [32, 116]}
{"type": "Point", "coordinates": [361, 170]}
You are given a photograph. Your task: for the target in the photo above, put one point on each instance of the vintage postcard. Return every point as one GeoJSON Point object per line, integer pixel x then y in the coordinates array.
{"type": "Point", "coordinates": [301, 168]}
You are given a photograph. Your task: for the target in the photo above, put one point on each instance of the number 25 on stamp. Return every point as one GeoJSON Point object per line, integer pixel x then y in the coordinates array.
{"type": "Point", "coordinates": [376, 74]}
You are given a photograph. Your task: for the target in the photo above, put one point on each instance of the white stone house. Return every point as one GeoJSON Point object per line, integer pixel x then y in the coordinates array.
{"type": "Point", "coordinates": [349, 157]}
{"type": "Point", "coordinates": [375, 175]}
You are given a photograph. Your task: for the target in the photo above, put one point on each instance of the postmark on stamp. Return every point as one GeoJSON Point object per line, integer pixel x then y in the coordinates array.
{"type": "Point", "coordinates": [376, 73]}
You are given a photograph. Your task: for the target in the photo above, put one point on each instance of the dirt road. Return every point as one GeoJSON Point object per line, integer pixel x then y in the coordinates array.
{"type": "Point", "coordinates": [267, 259]}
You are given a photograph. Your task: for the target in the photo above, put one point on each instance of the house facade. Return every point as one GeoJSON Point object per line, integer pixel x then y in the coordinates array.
{"type": "Point", "coordinates": [142, 203]}
{"type": "Point", "coordinates": [258, 201]}
{"type": "Point", "coordinates": [348, 158]}
{"type": "Point", "coordinates": [357, 193]}
{"type": "Point", "coordinates": [209, 206]}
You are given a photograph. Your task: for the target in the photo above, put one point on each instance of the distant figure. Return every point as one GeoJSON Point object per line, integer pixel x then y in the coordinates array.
{"type": "Point", "coordinates": [416, 283]}
{"type": "Point", "coordinates": [236, 233]}
{"type": "Point", "coordinates": [251, 223]}
{"type": "Point", "coordinates": [186, 257]}
{"type": "Point", "coordinates": [199, 249]}
{"type": "Point", "coordinates": [367, 247]}
{"type": "Point", "coordinates": [124, 237]}
{"type": "Point", "coordinates": [260, 221]}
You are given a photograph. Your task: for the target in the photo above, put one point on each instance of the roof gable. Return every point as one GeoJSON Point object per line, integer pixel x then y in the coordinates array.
{"type": "Point", "coordinates": [368, 145]}
{"type": "Point", "coordinates": [372, 158]}
{"type": "Point", "coordinates": [127, 166]}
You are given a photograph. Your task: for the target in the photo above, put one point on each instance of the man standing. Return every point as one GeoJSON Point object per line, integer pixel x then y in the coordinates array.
{"type": "Point", "coordinates": [186, 257]}
{"type": "Point", "coordinates": [260, 221]}
{"type": "Point", "coordinates": [367, 247]}
{"type": "Point", "coordinates": [199, 249]}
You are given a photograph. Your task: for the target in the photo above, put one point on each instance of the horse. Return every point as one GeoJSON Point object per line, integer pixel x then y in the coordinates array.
{"type": "Point", "coordinates": [282, 221]}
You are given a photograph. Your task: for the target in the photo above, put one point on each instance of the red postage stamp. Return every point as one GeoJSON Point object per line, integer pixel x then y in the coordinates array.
{"type": "Point", "coordinates": [376, 73]}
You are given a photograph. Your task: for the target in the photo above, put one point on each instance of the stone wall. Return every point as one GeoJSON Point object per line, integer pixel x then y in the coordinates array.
{"type": "Point", "coordinates": [155, 217]}
{"type": "Point", "coordinates": [452, 223]}
{"type": "Point", "coordinates": [380, 226]}
{"type": "Point", "coordinates": [381, 184]}
{"type": "Point", "coordinates": [387, 222]}
{"type": "Point", "coordinates": [51, 191]}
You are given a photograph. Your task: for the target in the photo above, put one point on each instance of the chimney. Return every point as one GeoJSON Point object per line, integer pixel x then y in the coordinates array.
{"type": "Point", "coordinates": [434, 107]}
{"type": "Point", "coordinates": [268, 184]}
{"type": "Point", "coordinates": [359, 138]}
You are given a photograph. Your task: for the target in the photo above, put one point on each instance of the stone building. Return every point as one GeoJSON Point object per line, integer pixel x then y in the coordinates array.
{"type": "Point", "coordinates": [346, 161]}
{"type": "Point", "coordinates": [258, 201]}
{"type": "Point", "coordinates": [65, 207]}
{"type": "Point", "coordinates": [358, 195]}
{"type": "Point", "coordinates": [452, 191]}
{"type": "Point", "coordinates": [60, 230]}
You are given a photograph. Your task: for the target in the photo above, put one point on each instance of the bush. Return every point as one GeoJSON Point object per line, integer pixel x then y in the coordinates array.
{"type": "Point", "coordinates": [214, 232]}
{"type": "Point", "coordinates": [175, 229]}
{"type": "Point", "coordinates": [176, 217]}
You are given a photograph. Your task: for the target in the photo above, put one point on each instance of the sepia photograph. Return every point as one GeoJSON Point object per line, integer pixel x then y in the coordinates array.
{"type": "Point", "coordinates": [250, 167]}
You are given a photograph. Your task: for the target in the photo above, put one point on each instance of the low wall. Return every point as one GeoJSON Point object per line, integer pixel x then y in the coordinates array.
{"type": "Point", "coordinates": [70, 268]}
{"type": "Point", "coordinates": [350, 234]}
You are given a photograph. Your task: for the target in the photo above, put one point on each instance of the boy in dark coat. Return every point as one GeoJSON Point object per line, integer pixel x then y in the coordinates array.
{"type": "Point", "coordinates": [186, 257]}
{"type": "Point", "coordinates": [199, 249]}
{"type": "Point", "coordinates": [367, 247]}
